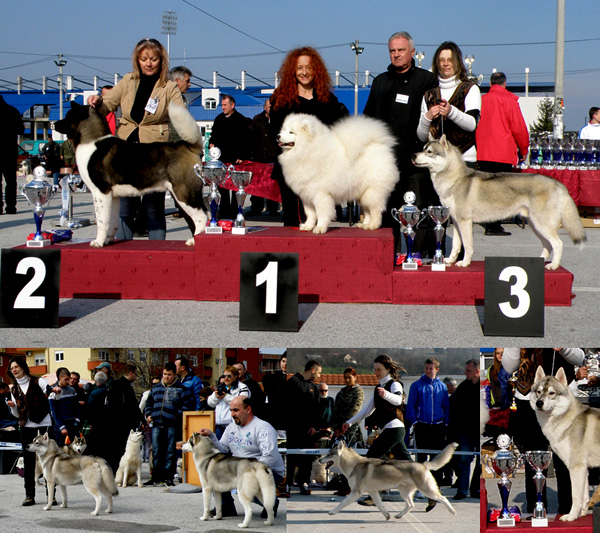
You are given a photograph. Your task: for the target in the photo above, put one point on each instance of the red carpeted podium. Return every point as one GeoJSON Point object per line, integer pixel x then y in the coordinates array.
{"type": "Point", "coordinates": [346, 265]}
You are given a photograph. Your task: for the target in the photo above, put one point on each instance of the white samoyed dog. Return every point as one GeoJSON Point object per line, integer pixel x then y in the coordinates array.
{"type": "Point", "coordinates": [353, 160]}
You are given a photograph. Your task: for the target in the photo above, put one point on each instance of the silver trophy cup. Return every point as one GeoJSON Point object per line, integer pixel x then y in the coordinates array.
{"type": "Point", "coordinates": [38, 193]}
{"type": "Point", "coordinates": [503, 463]}
{"type": "Point", "coordinates": [408, 216]}
{"type": "Point", "coordinates": [213, 173]}
{"type": "Point", "coordinates": [439, 214]}
{"type": "Point", "coordinates": [539, 460]}
{"type": "Point", "coordinates": [241, 179]}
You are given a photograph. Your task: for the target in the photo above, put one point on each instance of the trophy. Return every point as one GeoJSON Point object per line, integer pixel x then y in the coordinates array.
{"type": "Point", "coordinates": [439, 214]}
{"type": "Point", "coordinates": [69, 181]}
{"type": "Point", "coordinates": [539, 460]}
{"type": "Point", "coordinates": [241, 180]}
{"type": "Point", "coordinates": [214, 174]}
{"type": "Point", "coordinates": [38, 192]}
{"type": "Point", "coordinates": [408, 216]}
{"type": "Point", "coordinates": [512, 381]}
{"type": "Point", "coordinates": [504, 464]}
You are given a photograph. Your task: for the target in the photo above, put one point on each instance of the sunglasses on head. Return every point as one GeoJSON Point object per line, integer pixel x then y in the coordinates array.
{"type": "Point", "coordinates": [146, 40]}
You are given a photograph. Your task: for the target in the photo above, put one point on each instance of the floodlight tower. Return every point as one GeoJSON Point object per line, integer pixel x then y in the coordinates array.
{"type": "Point", "coordinates": [60, 64]}
{"type": "Point", "coordinates": [357, 50]}
{"type": "Point", "coordinates": [169, 26]}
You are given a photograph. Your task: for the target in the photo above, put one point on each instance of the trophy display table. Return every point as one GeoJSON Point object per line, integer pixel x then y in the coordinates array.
{"type": "Point", "coordinates": [583, 185]}
{"type": "Point", "coordinates": [345, 265]}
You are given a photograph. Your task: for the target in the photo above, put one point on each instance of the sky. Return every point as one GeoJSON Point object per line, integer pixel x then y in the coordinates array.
{"type": "Point", "coordinates": [97, 38]}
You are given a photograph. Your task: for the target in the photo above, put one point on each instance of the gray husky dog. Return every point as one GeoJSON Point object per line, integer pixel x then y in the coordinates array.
{"type": "Point", "coordinates": [474, 196]}
{"type": "Point", "coordinates": [62, 470]}
{"type": "Point", "coordinates": [372, 475]}
{"type": "Point", "coordinates": [573, 431]}
{"type": "Point", "coordinates": [220, 472]}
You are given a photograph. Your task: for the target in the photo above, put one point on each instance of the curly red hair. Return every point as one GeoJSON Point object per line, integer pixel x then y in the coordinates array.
{"type": "Point", "coordinates": [286, 94]}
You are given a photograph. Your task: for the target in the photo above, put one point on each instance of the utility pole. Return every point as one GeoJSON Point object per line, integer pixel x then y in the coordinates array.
{"type": "Point", "coordinates": [60, 64]}
{"type": "Point", "coordinates": [559, 70]}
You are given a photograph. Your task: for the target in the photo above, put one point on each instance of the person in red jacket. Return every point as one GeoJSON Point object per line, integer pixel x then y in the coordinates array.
{"type": "Point", "coordinates": [501, 136]}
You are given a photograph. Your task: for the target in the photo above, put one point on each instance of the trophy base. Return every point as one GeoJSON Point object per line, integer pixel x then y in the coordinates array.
{"type": "Point", "coordinates": [505, 522]}
{"type": "Point", "coordinates": [239, 231]}
{"type": "Point", "coordinates": [213, 229]}
{"type": "Point", "coordinates": [539, 522]}
{"type": "Point", "coordinates": [410, 266]}
{"type": "Point", "coordinates": [39, 244]}
{"type": "Point", "coordinates": [438, 267]}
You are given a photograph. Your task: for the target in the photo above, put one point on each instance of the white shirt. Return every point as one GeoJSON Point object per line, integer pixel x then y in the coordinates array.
{"type": "Point", "coordinates": [256, 440]}
{"type": "Point", "coordinates": [394, 397]}
{"type": "Point", "coordinates": [221, 405]}
{"type": "Point", "coordinates": [591, 131]}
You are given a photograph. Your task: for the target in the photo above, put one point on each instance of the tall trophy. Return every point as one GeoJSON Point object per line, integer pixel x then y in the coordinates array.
{"type": "Point", "coordinates": [38, 193]}
{"type": "Point", "coordinates": [408, 216]}
{"type": "Point", "coordinates": [504, 463]}
{"type": "Point", "coordinates": [214, 174]}
{"type": "Point", "coordinates": [539, 460]}
{"type": "Point", "coordinates": [69, 181]}
{"type": "Point", "coordinates": [241, 179]}
{"type": "Point", "coordinates": [439, 214]}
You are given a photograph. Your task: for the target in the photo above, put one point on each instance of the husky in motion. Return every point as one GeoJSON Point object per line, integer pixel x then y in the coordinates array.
{"type": "Point", "coordinates": [220, 472]}
{"type": "Point", "coordinates": [372, 475]}
{"type": "Point", "coordinates": [473, 196]}
{"type": "Point", "coordinates": [573, 431]}
{"type": "Point", "coordinates": [62, 470]}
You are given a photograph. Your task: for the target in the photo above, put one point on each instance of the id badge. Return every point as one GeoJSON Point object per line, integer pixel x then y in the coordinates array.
{"type": "Point", "coordinates": [401, 98]}
{"type": "Point", "coordinates": [152, 105]}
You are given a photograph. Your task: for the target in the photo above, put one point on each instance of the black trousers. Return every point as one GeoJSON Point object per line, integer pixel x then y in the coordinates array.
{"type": "Point", "coordinates": [8, 169]}
{"type": "Point", "coordinates": [27, 436]}
{"type": "Point", "coordinates": [390, 440]}
{"type": "Point", "coordinates": [430, 437]}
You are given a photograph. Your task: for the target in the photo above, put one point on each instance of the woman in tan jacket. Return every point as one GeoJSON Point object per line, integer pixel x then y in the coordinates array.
{"type": "Point", "coordinates": [143, 96]}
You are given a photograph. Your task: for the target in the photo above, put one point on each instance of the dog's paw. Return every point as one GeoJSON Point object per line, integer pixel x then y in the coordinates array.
{"type": "Point", "coordinates": [47, 507]}
{"type": "Point", "coordinates": [569, 517]}
{"type": "Point", "coordinates": [190, 242]}
{"type": "Point", "coordinates": [94, 513]}
{"type": "Point", "coordinates": [242, 525]}
{"type": "Point", "coordinates": [63, 505]}
{"type": "Point", "coordinates": [319, 230]}
{"type": "Point", "coordinates": [551, 266]}
{"type": "Point", "coordinates": [387, 516]}
{"type": "Point", "coordinates": [205, 517]}
{"type": "Point", "coordinates": [96, 244]}
{"type": "Point", "coordinates": [305, 227]}
{"type": "Point", "coordinates": [449, 261]}
{"type": "Point", "coordinates": [331, 513]}
{"type": "Point", "coordinates": [463, 263]}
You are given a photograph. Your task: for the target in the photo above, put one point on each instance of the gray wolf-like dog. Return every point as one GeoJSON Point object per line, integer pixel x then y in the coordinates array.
{"type": "Point", "coordinates": [372, 475]}
{"type": "Point", "coordinates": [130, 465]}
{"type": "Point", "coordinates": [473, 197]}
{"type": "Point", "coordinates": [353, 160]}
{"type": "Point", "coordinates": [62, 470]}
{"type": "Point", "coordinates": [573, 431]}
{"type": "Point", "coordinates": [112, 167]}
{"type": "Point", "coordinates": [77, 447]}
{"type": "Point", "coordinates": [220, 472]}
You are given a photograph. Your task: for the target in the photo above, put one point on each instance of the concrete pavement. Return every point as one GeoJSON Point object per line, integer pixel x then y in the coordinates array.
{"type": "Point", "coordinates": [116, 323]}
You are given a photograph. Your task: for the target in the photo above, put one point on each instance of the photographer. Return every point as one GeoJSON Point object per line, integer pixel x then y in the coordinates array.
{"type": "Point", "coordinates": [221, 398]}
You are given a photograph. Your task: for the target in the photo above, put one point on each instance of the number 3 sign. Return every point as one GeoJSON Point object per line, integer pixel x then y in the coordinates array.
{"type": "Point", "coordinates": [268, 292]}
{"type": "Point", "coordinates": [29, 288]}
{"type": "Point", "coordinates": [514, 296]}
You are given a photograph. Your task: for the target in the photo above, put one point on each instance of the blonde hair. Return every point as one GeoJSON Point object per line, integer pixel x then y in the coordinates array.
{"type": "Point", "coordinates": [155, 46]}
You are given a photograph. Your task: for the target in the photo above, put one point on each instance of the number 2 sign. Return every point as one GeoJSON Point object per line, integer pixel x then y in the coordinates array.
{"type": "Point", "coordinates": [514, 296]}
{"type": "Point", "coordinates": [29, 288]}
{"type": "Point", "coordinates": [268, 292]}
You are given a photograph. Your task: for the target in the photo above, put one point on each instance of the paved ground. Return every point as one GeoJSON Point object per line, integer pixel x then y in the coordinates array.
{"type": "Point", "coordinates": [114, 323]}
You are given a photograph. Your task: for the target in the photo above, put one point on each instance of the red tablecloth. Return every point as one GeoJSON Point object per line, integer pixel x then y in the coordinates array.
{"type": "Point", "coordinates": [261, 185]}
{"type": "Point", "coordinates": [583, 185]}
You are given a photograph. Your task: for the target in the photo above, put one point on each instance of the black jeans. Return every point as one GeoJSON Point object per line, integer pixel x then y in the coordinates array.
{"type": "Point", "coordinates": [27, 436]}
{"type": "Point", "coordinates": [390, 440]}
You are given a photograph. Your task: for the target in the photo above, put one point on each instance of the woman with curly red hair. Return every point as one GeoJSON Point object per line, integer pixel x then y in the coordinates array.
{"type": "Point", "coordinates": [305, 87]}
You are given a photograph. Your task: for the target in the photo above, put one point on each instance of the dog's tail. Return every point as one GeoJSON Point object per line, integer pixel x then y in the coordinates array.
{"type": "Point", "coordinates": [185, 124]}
{"type": "Point", "coordinates": [108, 478]}
{"type": "Point", "coordinates": [571, 221]}
{"type": "Point", "coordinates": [441, 458]}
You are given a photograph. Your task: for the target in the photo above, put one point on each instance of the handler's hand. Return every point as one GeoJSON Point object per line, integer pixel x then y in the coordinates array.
{"type": "Point", "coordinates": [205, 432]}
{"type": "Point", "coordinates": [345, 427]}
{"type": "Point", "coordinates": [95, 100]}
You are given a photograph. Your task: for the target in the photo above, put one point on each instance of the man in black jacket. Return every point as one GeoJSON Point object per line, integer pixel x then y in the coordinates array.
{"type": "Point", "coordinates": [395, 98]}
{"type": "Point", "coordinates": [12, 126]}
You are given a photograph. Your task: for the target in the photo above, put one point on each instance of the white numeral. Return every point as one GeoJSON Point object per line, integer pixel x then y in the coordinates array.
{"type": "Point", "coordinates": [24, 299]}
{"type": "Point", "coordinates": [517, 289]}
{"type": "Point", "coordinates": [269, 276]}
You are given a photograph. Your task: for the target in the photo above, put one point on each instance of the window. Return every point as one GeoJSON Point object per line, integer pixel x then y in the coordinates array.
{"type": "Point", "coordinates": [143, 357]}
{"type": "Point", "coordinates": [40, 359]}
{"type": "Point", "coordinates": [130, 356]}
{"type": "Point", "coordinates": [59, 356]}
{"type": "Point", "coordinates": [193, 361]}
{"type": "Point", "coordinates": [116, 356]}
{"type": "Point", "coordinates": [103, 355]}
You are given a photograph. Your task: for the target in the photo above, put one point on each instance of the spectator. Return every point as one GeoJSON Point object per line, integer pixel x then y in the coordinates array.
{"type": "Point", "coordinates": [12, 127]}
{"type": "Point", "coordinates": [122, 397]}
{"type": "Point", "coordinates": [256, 393]}
{"type": "Point", "coordinates": [231, 134]}
{"type": "Point", "coordinates": [502, 137]}
{"type": "Point", "coordinates": [500, 394]}
{"type": "Point", "coordinates": [348, 402]}
{"type": "Point", "coordinates": [164, 409]}
{"type": "Point", "coordinates": [325, 407]}
{"type": "Point", "coordinates": [188, 380]}
{"type": "Point", "coordinates": [147, 442]}
{"type": "Point", "coordinates": [204, 393]}
{"type": "Point", "coordinates": [450, 385]}
{"type": "Point", "coordinates": [249, 436]}
{"type": "Point", "coordinates": [100, 425]}
{"type": "Point", "coordinates": [592, 129]}
{"type": "Point", "coordinates": [67, 154]}
{"type": "Point", "coordinates": [523, 424]}
{"type": "Point", "coordinates": [463, 429]}
{"type": "Point", "coordinates": [305, 87]}
{"type": "Point", "coordinates": [220, 399]}
{"type": "Point", "coordinates": [30, 405]}
{"type": "Point", "coordinates": [7, 420]}
{"type": "Point", "coordinates": [82, 397]}
{"type": "Point", "coordinates": [144, 96]}
{"type": "Point", "coordinates": [274, 384]}
{"type": "Point", "coordinates": [110, 117]}
{"type": "Point", "coordinates": [395, 98]}
{"type": "Point", "coordinates": [264, 150]}
{"type": "Point", "coordinates": [427, 410]}
{"type": "Point", "coordinates": [302, 401]}
{"type": "Point", "coordinates": [53, 160]}
{"type": "Point", "coordinates": [64, 408]}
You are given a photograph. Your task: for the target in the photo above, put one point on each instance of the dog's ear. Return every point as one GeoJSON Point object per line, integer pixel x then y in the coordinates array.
{"type": "Point", "coordinates": [539, 374]}
{"type": "Point", "coordinates": [341, 445]}
{"type": "Point", "coordinates": [46, 437]}
{"type": "Point", "coordinates": [430, 137]}
{"type": "Point", "coordinates": [444, 141]}
{"type": "Point", "coordinates": [561, 376]}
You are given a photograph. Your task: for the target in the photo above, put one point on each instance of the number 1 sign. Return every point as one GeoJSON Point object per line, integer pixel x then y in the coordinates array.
{"type": "Point", "coordinates": [268, 292]}
{"type": "Point", "coordinates": [29, 288]}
